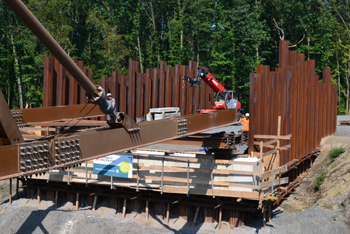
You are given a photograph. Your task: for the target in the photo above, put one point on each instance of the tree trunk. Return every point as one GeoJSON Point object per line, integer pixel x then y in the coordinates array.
{"type": "Point", "coordinates": [347, 86]}
{"type": "Point", "coordinates": [308, 45]}
{"type": "Point", "coordinates": [256, 46]}
{"type": "Point", "coordinates": [336, 53]}
{"type": "Point", "coordinates": [197, 48]}
{"type": "Point", "coordinates": [181, 39]}
{"type": "Point", "coordinates": [17, 72]}
{"type": "Point", "coordinates": [154, 30]}
{"type": "Point", "coordinates": [139, 49]}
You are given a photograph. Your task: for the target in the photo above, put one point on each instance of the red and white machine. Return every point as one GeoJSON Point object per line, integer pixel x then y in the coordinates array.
{"type": "Point", "coordinates": [225, 99]}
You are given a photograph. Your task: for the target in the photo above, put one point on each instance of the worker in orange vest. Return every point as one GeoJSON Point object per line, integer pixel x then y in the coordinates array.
{"type": "Point", "coordinates": [245, 122]}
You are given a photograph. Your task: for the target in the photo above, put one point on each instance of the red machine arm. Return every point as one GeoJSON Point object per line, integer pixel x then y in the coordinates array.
{"type": "Point", "coordinates": [210, 80]}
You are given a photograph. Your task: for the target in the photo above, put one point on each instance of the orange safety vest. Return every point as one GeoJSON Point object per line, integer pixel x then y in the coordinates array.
{"type": "Point", "coordinates": [245, 123]}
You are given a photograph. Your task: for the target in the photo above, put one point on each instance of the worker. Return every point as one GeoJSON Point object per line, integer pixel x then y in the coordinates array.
{"type": "Point", "coordinates": [112, 100]}
{"type": "Point", "coordinates": [245, 122]}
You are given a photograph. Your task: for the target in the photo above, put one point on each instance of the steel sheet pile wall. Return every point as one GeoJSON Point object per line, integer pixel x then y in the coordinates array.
{"type": "Point", "coordinates": [60, 88]}
{"type": "Point", "coordinates": [135, 93]}
{"type": "Point", "coordinates": [308, 107]}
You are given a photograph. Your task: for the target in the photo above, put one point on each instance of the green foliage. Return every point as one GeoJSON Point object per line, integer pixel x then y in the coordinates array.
{"type": "Point", "coordinates": [319, 180]}
{"type": "Point", "coordinates": [1, 187]}
{"type": "Point", "coordinates": [230, 37]}
{"type": "Point", "coordinates": [336, 152]}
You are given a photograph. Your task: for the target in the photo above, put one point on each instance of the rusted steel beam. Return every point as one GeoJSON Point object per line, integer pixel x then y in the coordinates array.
{"type": "Point", "coordinates": [9, 133]}
{"type": "Point", "coordinates": [53, 113]}
{"type": "Point", "coordinates": [37, 157]}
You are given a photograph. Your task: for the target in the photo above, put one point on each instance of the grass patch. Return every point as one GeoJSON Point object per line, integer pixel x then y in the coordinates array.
{"type": "Point", "coordinates": [336, 152]}
{"type": "Point", "coordinates": [1, 187]}
{"type": "Point", "coordinates": [319, 180]}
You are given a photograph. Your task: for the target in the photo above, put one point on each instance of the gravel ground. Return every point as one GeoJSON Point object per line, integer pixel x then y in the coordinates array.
{"type": "Point", "coordinates": [342, 130]}
{"type": "Point", "coordinates": [26, 216]}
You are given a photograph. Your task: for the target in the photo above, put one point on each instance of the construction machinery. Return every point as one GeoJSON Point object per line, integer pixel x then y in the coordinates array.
{"type": "Point", "coordinates": [225, 99]}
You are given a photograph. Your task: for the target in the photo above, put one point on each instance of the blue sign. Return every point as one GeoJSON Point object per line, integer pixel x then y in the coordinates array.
{"type": "Point", "coordinates": [114, 165]}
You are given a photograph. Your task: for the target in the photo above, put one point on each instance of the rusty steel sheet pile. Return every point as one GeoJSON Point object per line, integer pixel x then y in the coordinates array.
{"type": "Point", "coordinates": [158, 87]}
{"type": "Point", "coordinates": [293, 91]}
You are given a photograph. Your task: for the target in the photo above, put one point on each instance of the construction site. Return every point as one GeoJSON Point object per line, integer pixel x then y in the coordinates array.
{"type": "Point", "coordinates": [78, 148]}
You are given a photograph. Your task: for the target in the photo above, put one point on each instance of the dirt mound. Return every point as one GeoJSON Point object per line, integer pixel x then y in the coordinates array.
{"type": "Point", "coordinates": [334, 192]}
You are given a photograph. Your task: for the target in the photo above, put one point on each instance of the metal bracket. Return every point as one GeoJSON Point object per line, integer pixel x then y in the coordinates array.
{"type": "Point", "coordinates": [194, 82]}
{"type": "Point", "coordinates": [123, 120]}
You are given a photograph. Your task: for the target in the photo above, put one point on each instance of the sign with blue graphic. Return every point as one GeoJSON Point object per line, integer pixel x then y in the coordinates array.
{"type": "Point", "coordinates": [114, 165]}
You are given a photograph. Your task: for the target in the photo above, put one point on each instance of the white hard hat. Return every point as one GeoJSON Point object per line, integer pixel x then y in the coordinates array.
{"type": "Point", "coordinates": [109, 94]}
{"type": "Point", "coordinates": [247, 114]}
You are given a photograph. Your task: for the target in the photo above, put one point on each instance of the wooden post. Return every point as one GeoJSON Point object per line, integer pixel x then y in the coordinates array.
{"type": "Point", "coordinates": [38, 195]}
{"type": "Point", "coordinates": [124, 208]}
{"type": "Point", "coordinates": [278, 160]}
{"type": "Point", "coordinates": [195, 217]}
{"type": "Point", "coordinates": [10, 192]}
{"type": "Point", "coordinates": [56, 199]}
{"type": "Point", "coordinates": [167, 213]}
{"type": "Point", "coordinates": [146, 210]}
{"type": "Point", "coordinates": [17, 185]}
{"type": "Point", "coordinates": [77, 202]}
{"type": "Point", "coordinates": [220, 217]}
{"type": "Point", "coordinates": [260, 173]}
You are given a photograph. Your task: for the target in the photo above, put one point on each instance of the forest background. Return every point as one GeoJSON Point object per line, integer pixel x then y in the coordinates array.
{"type": "Point", "coordinates": [230, 37]}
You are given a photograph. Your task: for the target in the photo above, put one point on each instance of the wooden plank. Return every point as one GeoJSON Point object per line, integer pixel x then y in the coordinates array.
{"type": "Point", "coordinates": [267, 143]}
{"type": "Point", "coordinates": [184, 180]}
{"type": "Point", "coordinates": [209, 192]}
{"type": "Point", "coordinates": [276, 171]}
{"type": "Point", "coordinates": [195, 160]}
{"type": "Point", "coordinates": [199, 170]}
{"type": "Point", "coordinates": [287, 137]}
{"type": "Point", "coordinates": [275, 150]}
{"type": "Point", "coordinates": [268, 184]}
